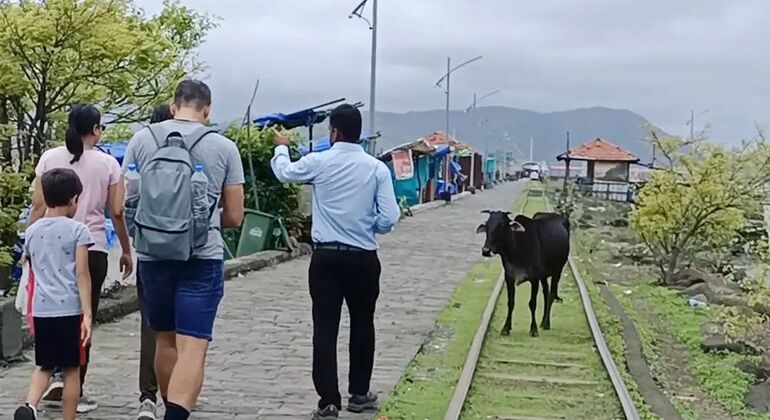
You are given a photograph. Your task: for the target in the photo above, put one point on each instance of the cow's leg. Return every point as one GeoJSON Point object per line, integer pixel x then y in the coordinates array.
{"type": "Point", "coordinates": [546, 323]}
{"type": "Point", "coordinates": [510, 285]}
{"type": "Point", "coordinates": [555, 287]}
{"type": "Point", "coordinates": [533, 307]}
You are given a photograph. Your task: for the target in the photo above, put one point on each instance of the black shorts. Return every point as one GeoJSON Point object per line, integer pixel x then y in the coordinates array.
{"type": "Point", "coordinates": [57, 342]}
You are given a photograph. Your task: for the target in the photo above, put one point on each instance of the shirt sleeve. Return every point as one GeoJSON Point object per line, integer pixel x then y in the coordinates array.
{"type": "Point", "coordinates": [234, 173]}
{"type": "Point", "coordinates": [129, 156]}
{"type": "Point", "coordinates": [388, 211]}
{"type": "Point", "coordinates": [83, 236]}
{"type": "Point", "coordinates": [302, 171]}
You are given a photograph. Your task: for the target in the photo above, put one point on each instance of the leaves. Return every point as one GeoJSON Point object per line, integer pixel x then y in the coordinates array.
{"type": "Point", "coordinates": [256, 147]}
{"type": "Point", "coordinates": [700, 200]}
{"type": "Point", "coordinates": [58, 52]}
{"type": "Point", "coordinates": [54, 53]}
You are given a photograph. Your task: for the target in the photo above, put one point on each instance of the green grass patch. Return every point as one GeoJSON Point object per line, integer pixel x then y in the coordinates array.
{"type": "Point", "coordinates": [716, 374]}
{"type": "Point", "coordinates": [428, 383]}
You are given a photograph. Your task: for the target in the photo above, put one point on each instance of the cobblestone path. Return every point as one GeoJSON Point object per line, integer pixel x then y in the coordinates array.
{"type": "Point", "coordinates": [259, 364]}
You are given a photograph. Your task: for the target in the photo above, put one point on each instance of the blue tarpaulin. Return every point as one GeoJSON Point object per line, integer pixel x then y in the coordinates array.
{"type": "Point", "coordinates": [442, 150]}
{"type": "Point", "coordinates": [302, 118]}
{"type": "Point", "coordinates": [116, 150]}
{"type": "Point", "coordinates": [324, 144]}
{"type": "Point", "coordinates": [305, 118]}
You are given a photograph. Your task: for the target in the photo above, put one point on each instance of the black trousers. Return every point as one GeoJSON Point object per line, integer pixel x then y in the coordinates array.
{"type": "Point", "coordinates": [148, 383]}
{"type": "Point", "coordinates": [97, 267]}
{"type": "Point", "coordinates": [352, 276]}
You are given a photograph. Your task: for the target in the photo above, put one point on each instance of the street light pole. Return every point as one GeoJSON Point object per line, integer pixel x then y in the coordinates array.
{"type": "Point", "coordinates": [448, 74]}
{"type": "Point", "coordinates": [373, 78]}
{"type": "Point", "coordinates": [449, 71]}
{"type": "Point", "coordinates": [373, 81]}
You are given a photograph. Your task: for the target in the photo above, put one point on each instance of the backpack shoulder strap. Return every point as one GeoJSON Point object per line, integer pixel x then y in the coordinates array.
{"type": "Point", "coordinates": [199, 134]}
{"type": "Point", "coordinates": [158, 134]}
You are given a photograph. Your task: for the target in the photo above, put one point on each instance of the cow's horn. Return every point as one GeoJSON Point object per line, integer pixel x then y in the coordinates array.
{"type": "Point", "coordinates": [486, 211]}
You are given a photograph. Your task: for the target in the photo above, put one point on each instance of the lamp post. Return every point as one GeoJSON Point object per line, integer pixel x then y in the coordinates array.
{"type": "Point", "coordinates": [446, 76]}
{"type": "Point", "coordinates": [373, 78]}
{"type": "Point", "coordinates": [477, 127]}
{"type": "Point", "coordinates": [691, 123]}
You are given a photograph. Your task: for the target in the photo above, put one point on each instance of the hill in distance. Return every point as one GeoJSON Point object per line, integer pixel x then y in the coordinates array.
{"type": "Point", "coordinates": [510, 129]}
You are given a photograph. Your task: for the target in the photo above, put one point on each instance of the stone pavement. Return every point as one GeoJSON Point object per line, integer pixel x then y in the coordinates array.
{"type": "Point", "coordinates": [259, 365]}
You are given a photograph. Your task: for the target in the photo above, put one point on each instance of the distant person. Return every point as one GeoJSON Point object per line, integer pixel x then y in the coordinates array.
{"type": "Point", "coordinates": [182, 274]}
{"type": "Point", "coordinates": [148, 382]}
{"type": "Point", "coordinates": [353, 199]}
{"type": "Point", "coordinates": [100, 175]}
{"type": "Point", "coordinates": [57, 247]}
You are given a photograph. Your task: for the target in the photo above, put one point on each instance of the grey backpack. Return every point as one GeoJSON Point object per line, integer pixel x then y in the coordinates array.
{"type": "Point", "coordinates": [172, 217]}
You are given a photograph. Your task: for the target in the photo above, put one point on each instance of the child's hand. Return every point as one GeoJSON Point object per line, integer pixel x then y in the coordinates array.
{"type": "Point", "coordinates": [85, 330]}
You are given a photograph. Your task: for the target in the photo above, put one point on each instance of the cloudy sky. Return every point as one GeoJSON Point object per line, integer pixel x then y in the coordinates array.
{"type": "Point", "coordinates": [658, 58]}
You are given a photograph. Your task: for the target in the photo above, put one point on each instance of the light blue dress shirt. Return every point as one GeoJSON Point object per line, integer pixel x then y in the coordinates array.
{"type": "Point", "coordinates": [353, 196]}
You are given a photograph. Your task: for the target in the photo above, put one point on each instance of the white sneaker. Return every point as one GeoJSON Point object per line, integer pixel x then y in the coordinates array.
{"type": "Point", "coordinates": [86, 405]}
{"type": "Point", "coordinates": [147, 410]}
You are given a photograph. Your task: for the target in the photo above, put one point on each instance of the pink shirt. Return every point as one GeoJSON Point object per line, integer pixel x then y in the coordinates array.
{"type": "Point", "coordinates": [97, 172]}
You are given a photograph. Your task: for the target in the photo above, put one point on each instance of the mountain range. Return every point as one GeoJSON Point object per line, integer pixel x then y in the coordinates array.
{"type": "Point", "coordinates": [510, 129]}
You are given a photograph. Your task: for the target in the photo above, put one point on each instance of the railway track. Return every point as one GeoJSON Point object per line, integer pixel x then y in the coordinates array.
{"type": "Point", "coordinates": [566, 373]}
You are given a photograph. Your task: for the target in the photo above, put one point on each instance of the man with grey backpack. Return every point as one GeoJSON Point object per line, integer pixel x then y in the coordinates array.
{"type": "Point", "coordinates": [184, 184]}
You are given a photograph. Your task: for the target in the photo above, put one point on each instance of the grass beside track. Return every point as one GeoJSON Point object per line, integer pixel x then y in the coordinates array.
{"type": "Point", "coordinates": [428, 383]}
{"type": "Point", "coordinates": [507, 382]}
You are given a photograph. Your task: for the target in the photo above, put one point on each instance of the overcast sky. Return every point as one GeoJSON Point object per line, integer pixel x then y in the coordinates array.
{"type": "Point", "coordinates": [658, 58]}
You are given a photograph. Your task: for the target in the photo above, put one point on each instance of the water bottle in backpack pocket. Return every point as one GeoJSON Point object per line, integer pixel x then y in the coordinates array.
{"type": "Point", "coordinates": [201, 213]}
{"type": "Point", "coordinates": [133, 184]}
{"type": "Point", "coordinates": [173, 199]}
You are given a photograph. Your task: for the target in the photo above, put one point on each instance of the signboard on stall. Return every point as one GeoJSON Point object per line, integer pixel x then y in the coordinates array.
{"type": "Point", "coordinates": [403, 166]}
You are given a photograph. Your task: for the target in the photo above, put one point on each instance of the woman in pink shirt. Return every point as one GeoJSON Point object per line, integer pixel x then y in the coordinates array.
{"type": "Point", "coordinates": [101, 177]}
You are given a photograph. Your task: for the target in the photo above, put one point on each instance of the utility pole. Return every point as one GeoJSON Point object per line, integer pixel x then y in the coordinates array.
{"type": "Point", "coordinates": [373, 81]}
{"type": "Point", "coordinates": [692, 124]}
{"type": "Point", "coordinates": [373, 78]}
{"type": "Point", "coordinates": [531, 148]}
{"type": "Point", "coordinates": [448, 75]}
{"type": "Point", "coordinates": [447, 91]}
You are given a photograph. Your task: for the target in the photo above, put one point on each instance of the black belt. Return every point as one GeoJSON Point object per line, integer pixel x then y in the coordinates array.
{"type": "Point", "coordinates": [337, 246]}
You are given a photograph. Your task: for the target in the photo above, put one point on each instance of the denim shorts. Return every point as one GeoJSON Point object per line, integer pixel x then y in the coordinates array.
{"type": "Point", "coordinates": [182, 296]}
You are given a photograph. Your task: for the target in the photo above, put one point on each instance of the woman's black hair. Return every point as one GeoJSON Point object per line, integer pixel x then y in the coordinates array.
{"type": "Point", "coordinates": [161, 113]}
{"type": "Point", "coordinates": [82, 119]}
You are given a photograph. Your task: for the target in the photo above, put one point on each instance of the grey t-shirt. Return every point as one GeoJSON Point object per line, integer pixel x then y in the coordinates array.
{"type": "Point", "coordinates": [51, 243]}
{"type": "Point", "coordinates": [218, 155]}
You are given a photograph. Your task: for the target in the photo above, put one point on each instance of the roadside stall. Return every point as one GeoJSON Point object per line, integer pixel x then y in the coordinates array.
{"type": "Point", "coordinates": [409, 165]}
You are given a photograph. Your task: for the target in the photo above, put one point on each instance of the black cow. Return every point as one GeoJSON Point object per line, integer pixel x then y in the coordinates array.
{"type": "Point", "coordinates": [532, 249]}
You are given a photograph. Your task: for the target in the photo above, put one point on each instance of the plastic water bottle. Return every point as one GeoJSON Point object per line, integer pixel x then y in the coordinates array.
{"type": "Point", "coordinates": [133, 184]}
{"type": "Point", "coordinates": [200, 210]}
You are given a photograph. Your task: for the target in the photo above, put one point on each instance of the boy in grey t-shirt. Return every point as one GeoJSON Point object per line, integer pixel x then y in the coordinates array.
{"type": "Point", "coordinates": [57, 247]}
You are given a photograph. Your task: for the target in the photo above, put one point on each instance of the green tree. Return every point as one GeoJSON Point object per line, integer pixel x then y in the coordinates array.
{"type": "Point", "coordinates": [55, 53]}
{"type": "Point", "coordinates": [698, 198]}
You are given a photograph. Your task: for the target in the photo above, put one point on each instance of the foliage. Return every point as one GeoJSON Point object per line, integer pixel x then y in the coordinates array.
{"type": "Point", "coordinates": [14, 197]}
{"type": "Point", "coordinates": [58, 52]}
{"type": "Point", "coordinates": [568, 202]}
{"type": "Point", "coordinates": [697, 201]}
{"type": "Point", "coordinates": [117, 132]}
{"type": "Point", "coordinates": [263, 190]}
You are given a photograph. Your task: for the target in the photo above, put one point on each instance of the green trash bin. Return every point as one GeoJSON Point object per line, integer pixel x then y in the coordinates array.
{"type": "Point", "coordinates": [257, 233]}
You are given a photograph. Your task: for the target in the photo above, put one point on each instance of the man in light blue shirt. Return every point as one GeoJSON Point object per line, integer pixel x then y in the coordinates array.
{"type": "Point", "coordinates": [353, 200]}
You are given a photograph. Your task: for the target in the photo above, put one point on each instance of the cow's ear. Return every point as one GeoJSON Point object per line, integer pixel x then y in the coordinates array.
{"type": "Point", "coordinates": [517, 227]}
{"type": "Point", "coordinates": [482, 228]}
